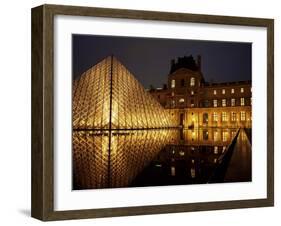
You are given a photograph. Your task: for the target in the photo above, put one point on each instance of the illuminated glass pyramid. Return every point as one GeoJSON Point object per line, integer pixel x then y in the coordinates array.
{"type": "Point", "coordinates": [108, 96]}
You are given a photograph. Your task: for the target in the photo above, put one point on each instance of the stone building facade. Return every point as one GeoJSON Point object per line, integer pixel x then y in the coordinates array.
{"type": "Point", "coordinates": [198, 103]}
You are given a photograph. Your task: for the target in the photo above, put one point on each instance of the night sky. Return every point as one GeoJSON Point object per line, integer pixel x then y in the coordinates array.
{"type": "Point", "coordinates": [149, 59]}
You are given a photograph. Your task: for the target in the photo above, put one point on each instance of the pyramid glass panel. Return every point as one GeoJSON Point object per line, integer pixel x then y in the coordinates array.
{"type": "Point", "coordinates": [108, 96]}
{"type": "Point", "coordinates": [91, 97]}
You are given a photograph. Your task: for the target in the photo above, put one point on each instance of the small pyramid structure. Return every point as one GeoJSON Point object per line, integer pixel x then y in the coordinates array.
{"type": "Point", "coordinates": [108, 96]}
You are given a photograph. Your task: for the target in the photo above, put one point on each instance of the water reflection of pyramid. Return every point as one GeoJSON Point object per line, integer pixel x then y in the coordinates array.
{"type": "Point", "coordinates": [108, 96]}
{"type": "Point", "coordinates": [130, 152]}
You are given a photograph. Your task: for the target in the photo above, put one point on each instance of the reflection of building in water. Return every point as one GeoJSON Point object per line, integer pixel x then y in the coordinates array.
{"type": "Point", "coordinates": [98, 164]}
{"type": "Point", "coordinates": [197, 161]}
{"type": "Point", "coordinates": [209, 136]}
{"type": "Point", "coordinates": [148, 157]}
{"type": "Point", "coordinates": [201, 103]}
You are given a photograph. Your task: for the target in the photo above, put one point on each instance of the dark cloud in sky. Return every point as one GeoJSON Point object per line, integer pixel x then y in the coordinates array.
{"type": "Point", "coordinates": [149, 59]}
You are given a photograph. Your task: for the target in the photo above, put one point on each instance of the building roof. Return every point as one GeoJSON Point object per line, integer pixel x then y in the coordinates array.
{"type": "Point", "coordinates": [187, 62]}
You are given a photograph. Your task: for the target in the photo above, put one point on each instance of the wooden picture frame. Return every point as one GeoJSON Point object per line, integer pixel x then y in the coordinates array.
{"type": "Point", "coordinates": [43, 117]}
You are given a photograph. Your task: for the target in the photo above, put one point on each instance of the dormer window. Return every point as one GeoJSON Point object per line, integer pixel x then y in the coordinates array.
{"type": "Point", "coordinates": [173, 83]}
{"type": "Point", "coordinates": [192, 81]}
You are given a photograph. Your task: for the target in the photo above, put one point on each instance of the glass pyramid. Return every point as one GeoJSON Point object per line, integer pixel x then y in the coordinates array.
{"type": "Point", "coordinates": [108, 96]}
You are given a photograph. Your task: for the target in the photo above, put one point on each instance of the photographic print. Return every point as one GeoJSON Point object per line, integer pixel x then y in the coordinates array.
{"type": "Point", "coordinates": [160, 112]}
{"type": "Point", "coordinates": [144, 112]}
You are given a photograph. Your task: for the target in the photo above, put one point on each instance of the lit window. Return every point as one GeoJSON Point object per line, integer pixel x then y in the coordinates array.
{"type": "Point", "coordinates": [216, 135]}
{"type": "Point", "coordinates": [215, 102]}
{"type": "Point", "coordinates": [215, 116]}
{"type": "Point", "coordinates": [223, 102]}
{"type": "Point", "coordinates": [192, 92]}
{"type": "Point", "coordinates": [223, 91]}
{"type": "Point", "coordinates": [232, 102]}
{"type": "Point", "coordinates": [192, 81]}
{"type": "Point", "coordinates": [216, 149]}
{"type": "Point", "coordinates": [192, 172]}
{"type": "Point", "coordinates": [233, 116]}
{"type": "Point", "coordinates": [232, 91]}
{"type": "Point", "coordinates": [242, 90]}
{"type": "Point", "coordinates": [224, 116]}
{"type": "Point", "coordinates": [215, 92]}
{"type": "Point", "coordinates": [173, 83]}
{"type": "Point", "coordinates": [224, 136]}
{"type": "Point", "coordinates": [242, 101]}
{"type": "Point", "coordinates": [242, 116]}
{"type": "Point", "coordinates": [173, 103]}
{"type": "Point", "coordinates": [181, 100]}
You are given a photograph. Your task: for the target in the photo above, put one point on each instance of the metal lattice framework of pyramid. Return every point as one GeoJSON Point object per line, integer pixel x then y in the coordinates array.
{"type": "Point", "coordinates": [108, 96]}
{"type": "Point", "coordinates": [94, 166]}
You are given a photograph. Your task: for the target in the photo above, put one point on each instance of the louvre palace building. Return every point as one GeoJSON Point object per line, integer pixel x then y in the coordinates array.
{"type": "Point", "coordinates": [195, 102]}
{"type": "Point", "coordinates": [108, 96]}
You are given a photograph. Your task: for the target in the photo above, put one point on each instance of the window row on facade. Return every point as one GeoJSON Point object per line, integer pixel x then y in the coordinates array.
{"type": "Point", "coordinates": [215, 91]}
{"type": "Point", "coordinates": [230, 102]}
{"type": "Point", "coordinates": [221, 118]}
{"type": "Point", "coordinates": [231, 90]}
{"type": "Point", "coordinates": [183, 82]}
{"type": "Point", "coordinates": [216, 103]}
{"type": "Point", "coordinates": [226, 116]}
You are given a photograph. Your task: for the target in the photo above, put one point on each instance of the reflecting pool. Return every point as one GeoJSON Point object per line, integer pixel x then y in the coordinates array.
{"type": "Point", "coordinates": [156, 157]}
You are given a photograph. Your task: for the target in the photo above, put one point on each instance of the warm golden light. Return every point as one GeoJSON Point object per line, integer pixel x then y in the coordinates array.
{"type": "Point", "coordinates": [109, 96]}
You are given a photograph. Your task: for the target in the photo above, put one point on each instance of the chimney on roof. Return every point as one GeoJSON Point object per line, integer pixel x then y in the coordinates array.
{"type": "Point", "coordinates": [173, 64]}
{"type": "Point", "coordinates": [199, 62]}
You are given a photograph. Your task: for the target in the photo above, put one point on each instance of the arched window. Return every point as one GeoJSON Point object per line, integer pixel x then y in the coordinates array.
{"type": "Point", "coordinates": [233, 116]}
{"type": "Point", "coordinates": [181, 100]}
{"type": "Point", "coordinates": [205, 118]}
{"type": "Point", "coordinates": [192, 81]}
